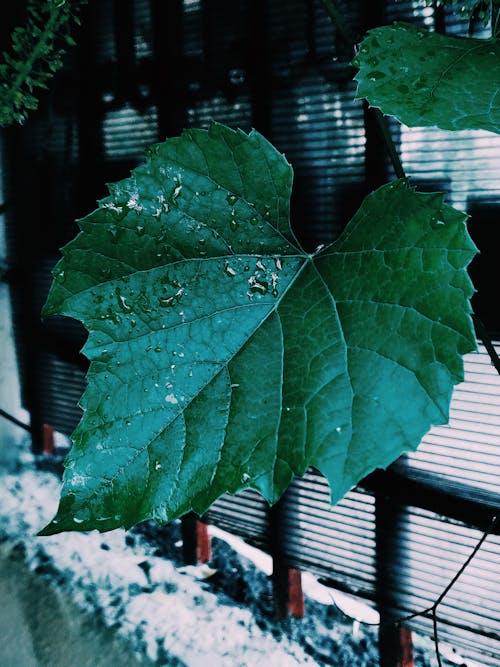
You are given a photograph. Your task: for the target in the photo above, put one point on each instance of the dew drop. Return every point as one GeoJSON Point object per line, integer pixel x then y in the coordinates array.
{"type": "Point", "coordinates": [60, 277]}
{"type": "Point", "coordinates": [122, 302]}
{"type": "Point", "coordinates": [376, 75]}
{"type": "Point", "coordinates": [229, 270]}
{"type": "Point", "coordinates": [436, 222]}
{"type": "Point", "coordinates": [233, 225]}
{"type": "Point", "coordinates": [231, 199]}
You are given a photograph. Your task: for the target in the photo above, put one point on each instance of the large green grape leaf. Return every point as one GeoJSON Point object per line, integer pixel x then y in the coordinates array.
{"type": "Point", "coordinates": [225, 357]}
{"type": "Point", "coordinates": [424, 78]}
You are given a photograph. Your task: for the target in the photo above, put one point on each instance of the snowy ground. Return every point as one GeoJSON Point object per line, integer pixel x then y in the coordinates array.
{"type": "Point", "coordinates": [217, 614]}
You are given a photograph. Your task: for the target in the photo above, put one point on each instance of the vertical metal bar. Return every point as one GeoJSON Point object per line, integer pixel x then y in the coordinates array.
{"type": "Point", "coordinates": [48, 439]}
{"type": "Point", "coordinates": [406, 644]}
{"type": "Point", "coordinates": [296, 606]}
{"type": "Point", "coordinates": [126, 73]}
{"type": "Point", "coordinates": [196, 546]}
{"type": "Point", "coordinates": [169, 74]}
{"type": "Point", "coordinates": [25, 242]}
{"type": "Point", "coordinates": [279, 576]}
{"type": "Point", "coordinates": [90, 115]}
{"type": "Point", "coordinates": [259, 66]}
{"type": "Point", "coordinates": [189, 542]}
{"type": "Point", "coordinates": [286, 581]}
{"type": "Point", "coordinates": [395, 644]}
{"type": "Point", "coordinates": [203, 544]}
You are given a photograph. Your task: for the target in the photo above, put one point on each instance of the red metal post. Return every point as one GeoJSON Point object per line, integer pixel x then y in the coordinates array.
{"type": "Point", "coordinates": [48, 439]}
{"type": "Point", "coordinates": [295, 595]}
{"type": "Point", "coordinates": [203, 545]}
{"type": "Point", "coordinates": [406, 648]}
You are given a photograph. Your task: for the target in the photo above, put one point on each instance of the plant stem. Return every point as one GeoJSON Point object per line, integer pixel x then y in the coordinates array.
{"type": "Point", "coordinates": [36, 53]}
{"type": "Point", "coordinates": [339, 22]}
{"type": "Point", "coordinates": [390, 145]}
{"type": "Point", "coordinates": [345, 33]}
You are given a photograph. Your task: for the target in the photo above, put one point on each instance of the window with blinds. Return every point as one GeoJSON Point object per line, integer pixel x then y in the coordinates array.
{"type": "Point", "coordinates": [143, 69]}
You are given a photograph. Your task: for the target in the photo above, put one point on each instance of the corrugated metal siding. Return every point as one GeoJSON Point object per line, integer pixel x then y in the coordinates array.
{"type": "Point", "coordinates": [128, 131]}
{"type": "Point", "coordinates": [328, 540]}
{"type": "Point", "coordinates": [429, 551]}
{"type": "Point", "coordinates": [244, 514]}
{"type": "Point", "coordinates": [467, 450]}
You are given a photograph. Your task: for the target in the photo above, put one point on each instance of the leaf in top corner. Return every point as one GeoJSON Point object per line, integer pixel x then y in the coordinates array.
{"type": "Point", "coordinates": [224, 357]}
{"type": "Point", "coordinates": [423, 78]}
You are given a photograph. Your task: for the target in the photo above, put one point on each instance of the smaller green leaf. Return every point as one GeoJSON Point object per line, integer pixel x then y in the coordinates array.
{"type": "Point", "coordinates": [468, 8]}
{"type": "Point", "coordinates": [423, 78]}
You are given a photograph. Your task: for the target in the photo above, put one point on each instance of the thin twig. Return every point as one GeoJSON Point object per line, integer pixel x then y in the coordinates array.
{"type": "Point", "coordinates": [339, 22]}
{"type": "Point", "coordinates": [473, 553]}
{"type": "Point", "coordinates": [433, 608]}
{"type": "Point", "coordinates": [436, 638]}
{"type": "Point", "coordinates": [485, 339]}
{"type": "Point", "coordinates": [14, 420]}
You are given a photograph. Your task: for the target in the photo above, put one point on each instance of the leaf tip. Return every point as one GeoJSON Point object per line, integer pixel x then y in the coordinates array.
{"type": "Point", "coordinates": [52, 528]}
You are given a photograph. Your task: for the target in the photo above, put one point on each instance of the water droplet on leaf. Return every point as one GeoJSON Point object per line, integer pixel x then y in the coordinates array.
{"type": "Point", "coordinates": [376, 75]}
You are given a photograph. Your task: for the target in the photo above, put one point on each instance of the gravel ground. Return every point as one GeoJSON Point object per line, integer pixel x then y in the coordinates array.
{"type": "Point", "coordinates": [134, 584]}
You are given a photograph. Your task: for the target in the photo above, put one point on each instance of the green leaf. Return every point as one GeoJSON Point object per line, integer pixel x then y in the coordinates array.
{"type": "Point", "coordinates": [224, 357]}
{"type": "Point", "coordinates": [424, 78]}
{"type": "Point", "coordinates": [482, 8]}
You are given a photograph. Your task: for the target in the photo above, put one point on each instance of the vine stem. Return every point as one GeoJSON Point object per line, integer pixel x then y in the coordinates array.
{"type": "Point", "coordinates": [391, 147]}
{"type": "Point", "coordinates": [37, 50]}
{"type": "Point", "coordinates": [433, 608]}
{"type": "Point", "coordinates": [339, 22]}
